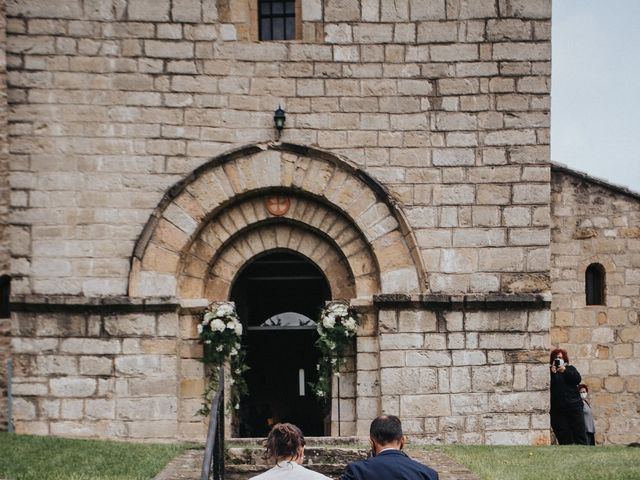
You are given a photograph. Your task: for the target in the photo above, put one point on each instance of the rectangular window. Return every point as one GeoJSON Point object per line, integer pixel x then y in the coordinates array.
{"type": "Point", "coordinates": [277, 19]}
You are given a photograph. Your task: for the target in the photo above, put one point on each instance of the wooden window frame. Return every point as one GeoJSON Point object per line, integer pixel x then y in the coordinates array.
{"type": "Point", "coordinates": [255, 22]}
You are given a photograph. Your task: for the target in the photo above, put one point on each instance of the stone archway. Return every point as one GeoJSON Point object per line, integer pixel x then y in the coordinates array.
{"type": "Point", "coordinates": [310, 227]}
{"type": "Point", "coordinates": [212, 223]}
{"type": "Point", "coordinates": [180, 224]}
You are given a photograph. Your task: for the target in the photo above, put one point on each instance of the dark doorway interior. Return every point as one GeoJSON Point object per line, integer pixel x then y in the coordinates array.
{"type": "Point", "coordinates": [278, 296]}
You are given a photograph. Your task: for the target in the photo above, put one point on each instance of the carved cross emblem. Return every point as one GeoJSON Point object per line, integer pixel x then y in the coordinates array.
{"type": "Point", "coordinates": [278, 205]}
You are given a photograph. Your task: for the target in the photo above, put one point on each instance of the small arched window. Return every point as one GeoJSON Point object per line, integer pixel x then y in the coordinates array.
{"type": "Point", "coordinates": [277, 19]}
{"type": "Point", "coordinates": [595, 285]}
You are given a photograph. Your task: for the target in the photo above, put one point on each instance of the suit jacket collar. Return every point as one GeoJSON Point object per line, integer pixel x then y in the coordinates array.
{"type": "Point", "coordinates": [392, 451]}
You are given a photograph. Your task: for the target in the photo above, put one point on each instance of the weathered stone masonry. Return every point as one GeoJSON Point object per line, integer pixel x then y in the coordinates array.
{"type": "Point", "coordinates": [5, 255]}
{"type": "Point", "coordinates": [111, 106]}
{"type": "Point", "coordinates": [596, 222]}
{"type": "Point", "coordinates": [436, 113]}
{"type": "Point", "coordinates": [97, 370]}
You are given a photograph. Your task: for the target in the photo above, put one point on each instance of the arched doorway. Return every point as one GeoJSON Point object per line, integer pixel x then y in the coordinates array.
{"type": "Point", "coordinates": [278, 295]}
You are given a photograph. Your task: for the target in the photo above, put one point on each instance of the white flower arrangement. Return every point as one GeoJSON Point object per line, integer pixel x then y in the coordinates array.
{"type": "Point", "coordinates": [336, 327]}
{"type": "Point", "coordinates": [220, 332]}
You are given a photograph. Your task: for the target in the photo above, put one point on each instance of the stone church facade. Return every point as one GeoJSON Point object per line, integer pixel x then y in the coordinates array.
{"type": "Point", "coordinates": [140, 149]}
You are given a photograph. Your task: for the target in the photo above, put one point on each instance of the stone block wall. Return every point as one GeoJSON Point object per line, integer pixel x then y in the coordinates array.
{"type": "Point", "coordinates": [468, 375]}
{"type": "Point", "coordinates": [598, 223]}
{"type": "Point", "coordinates": [97, 374]}
{"type": "Point", "coordinates": [5, 255]}
{"type": "Point", "coordinates": [444, 102]}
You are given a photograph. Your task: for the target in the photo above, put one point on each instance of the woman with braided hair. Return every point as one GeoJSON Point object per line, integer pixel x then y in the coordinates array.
{"type": "Point", "coordinates": [285, 448]}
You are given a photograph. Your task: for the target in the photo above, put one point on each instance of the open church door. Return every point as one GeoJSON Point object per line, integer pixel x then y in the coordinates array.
{"type": "Point", "coordinates": [278, 296]}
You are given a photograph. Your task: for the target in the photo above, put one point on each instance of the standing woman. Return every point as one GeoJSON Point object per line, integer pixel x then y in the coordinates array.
{"type": "Point", "coordinates": [589, 423]}
{"type": "Point", "coordinates": [285, 448]}
{"type": "Point", "coordinates": [567, 418]}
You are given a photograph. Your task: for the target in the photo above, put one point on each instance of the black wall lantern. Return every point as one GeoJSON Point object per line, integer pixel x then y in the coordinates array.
{"type": "Point", "coordinates": [278, 119]}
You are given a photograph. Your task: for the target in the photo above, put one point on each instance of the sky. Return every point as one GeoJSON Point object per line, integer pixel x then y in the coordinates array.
{"type": "Point", "coordinates": [595, 92]}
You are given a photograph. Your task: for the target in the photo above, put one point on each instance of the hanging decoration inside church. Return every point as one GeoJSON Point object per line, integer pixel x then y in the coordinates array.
{"type": "Point", "coordinates": [337, 327]}
{"type": "Point", "coordinates": [220, 333]}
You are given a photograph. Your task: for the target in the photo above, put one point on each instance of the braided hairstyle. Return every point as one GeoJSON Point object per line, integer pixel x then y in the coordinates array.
{"type": "Point", "coordinates": [283, 442]}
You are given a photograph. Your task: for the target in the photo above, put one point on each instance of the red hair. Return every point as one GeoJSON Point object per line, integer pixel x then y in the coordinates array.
{"type": "Point", "coordinates": [582, 385]}
{"type": "Point", "coordinates": [554, 354]}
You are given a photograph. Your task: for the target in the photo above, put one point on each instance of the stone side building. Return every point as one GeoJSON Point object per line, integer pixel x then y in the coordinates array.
{"type": "Point", "coordinates": [596, 223]}
{"type": "Point", "coordinates": [414, 179]}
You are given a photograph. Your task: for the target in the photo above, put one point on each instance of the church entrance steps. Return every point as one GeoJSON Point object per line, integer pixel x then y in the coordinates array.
{"type": "Point", "coordinates": [347, 442]}
{"type": "Point", "coordinates": [327, 455]}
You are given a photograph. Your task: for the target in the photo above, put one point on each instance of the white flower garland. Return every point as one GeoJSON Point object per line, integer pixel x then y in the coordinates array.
{"type": "Point", "coordinates": [220, 332]}
{"type": "Point", "coordinates": [337, 325]}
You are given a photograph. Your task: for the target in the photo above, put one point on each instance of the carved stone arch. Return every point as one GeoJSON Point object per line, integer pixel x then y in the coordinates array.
{"type": "Point", "coordinates": [187, 208]}
{"type": "Point", "coordinates": [310, 227]}
{"type": "Point", "coordinates": [603, 259]}
{"type": "Point", "coordinates": [270, 237]}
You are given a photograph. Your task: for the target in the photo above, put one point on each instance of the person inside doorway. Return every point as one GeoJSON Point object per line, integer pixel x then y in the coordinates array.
{"type": "Point", "coordinates": [567, 419]}
{"type": "Point", "coordinates": [285, 448]}
{"type": "Point", "coordinates": [589, 423]}
{"type": "Point", "coordinates": [388, 461]}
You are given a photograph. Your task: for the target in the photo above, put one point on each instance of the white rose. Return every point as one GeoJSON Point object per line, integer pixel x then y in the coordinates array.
{"type": "Point", "coordinates": [207, 318]}
{"type": "Point", "coordinates": [238, 328]}
{"type": "Point", "coordinates": [350, 324]}
{"type": "Point", "coordinates": [339, 309]}
{"type": "Point", "coordinates": [233, 352]}
{"type": "Point", "coordinates": [225, 309]}
{"type": "Point", "coordinates": [231, 325]}
{"type": "Point", "coordinates": [219, 348]}
{"type": "Point", "coordinates": [217, 325]}
{"type": "Point", "coordinates": [329, 322]}
{"type": "Point", "coordinates": [200, 328]}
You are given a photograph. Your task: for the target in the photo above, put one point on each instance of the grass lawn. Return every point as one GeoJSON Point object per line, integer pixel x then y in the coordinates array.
{"type": "Point", "coordinates": [548, 462]}
{"type": "Point", "coordinates": [26, 457]}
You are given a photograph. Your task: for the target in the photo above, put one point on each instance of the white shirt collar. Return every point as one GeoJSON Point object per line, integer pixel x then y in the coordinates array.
{"type": "Point", "coordinates": [388, 448]}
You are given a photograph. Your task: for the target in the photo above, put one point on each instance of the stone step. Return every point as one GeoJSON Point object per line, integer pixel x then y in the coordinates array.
{"type": "Point", "coordinates": [310, 441]}
{"type": "Point", "coordinates": [251, 455]}
{"type": "Point", "coordinates": [243, 472]}
{"type": "Point", "coordinates": [187, 466]}
{"type": "Point", "coordinates": [244, 457]}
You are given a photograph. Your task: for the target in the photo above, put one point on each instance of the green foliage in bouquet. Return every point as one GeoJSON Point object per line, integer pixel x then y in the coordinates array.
{"type": "Point", "coordinates": [220, 333]}
{"type": "Point", "coordinates": [336, 327]}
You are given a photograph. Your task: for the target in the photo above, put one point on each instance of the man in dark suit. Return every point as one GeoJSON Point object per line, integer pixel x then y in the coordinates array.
{"type": "Point", "coordinates": [388, 461]}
